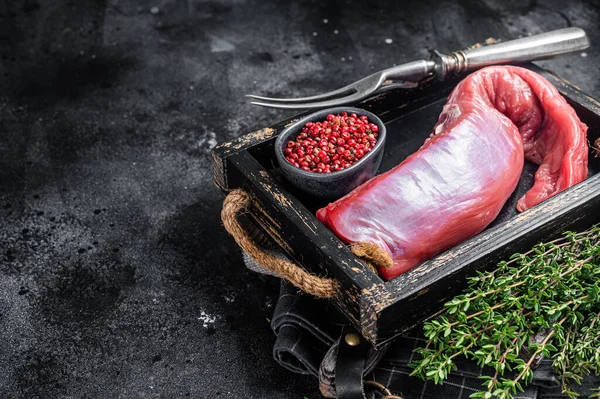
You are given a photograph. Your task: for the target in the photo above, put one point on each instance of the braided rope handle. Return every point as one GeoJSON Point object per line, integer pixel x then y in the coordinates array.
{"type": "Point", "coordinates": [237, 202]}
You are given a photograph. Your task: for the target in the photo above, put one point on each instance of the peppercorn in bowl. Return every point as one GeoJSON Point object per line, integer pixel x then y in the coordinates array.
{"type": "Point", "coordinates": [332, 151]}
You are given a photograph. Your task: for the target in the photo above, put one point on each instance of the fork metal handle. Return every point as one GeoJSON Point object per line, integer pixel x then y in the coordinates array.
{"type": "Point", "coordinates": [543, 46]}
{"type": "Point", "coordinates": [411, 71]}
{"type": "Point", "coordinates": [537, 47]}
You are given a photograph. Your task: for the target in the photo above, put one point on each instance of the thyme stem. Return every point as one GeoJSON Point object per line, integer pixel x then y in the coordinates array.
{"type": "Point", "coordinates": [553, 288]}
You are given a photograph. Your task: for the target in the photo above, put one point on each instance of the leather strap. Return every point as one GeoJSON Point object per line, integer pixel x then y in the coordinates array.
{"type": "Point", "coordinates": [350, 365]}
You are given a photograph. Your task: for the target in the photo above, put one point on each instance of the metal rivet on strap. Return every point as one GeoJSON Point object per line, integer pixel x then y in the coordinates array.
{"type": "Point", "coordinates": [352, 339]}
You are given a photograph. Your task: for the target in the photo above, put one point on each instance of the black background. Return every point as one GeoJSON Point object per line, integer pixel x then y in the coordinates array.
{"type": "Point", "coordinates": [117, 279]}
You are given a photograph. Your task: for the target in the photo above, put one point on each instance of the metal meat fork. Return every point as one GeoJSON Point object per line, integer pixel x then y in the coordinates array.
{"type": "Point", "coordinates": [538, 47]}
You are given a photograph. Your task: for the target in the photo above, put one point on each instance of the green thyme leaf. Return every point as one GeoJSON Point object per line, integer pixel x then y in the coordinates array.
{"type": "Point", "coordinates": [544, 302]}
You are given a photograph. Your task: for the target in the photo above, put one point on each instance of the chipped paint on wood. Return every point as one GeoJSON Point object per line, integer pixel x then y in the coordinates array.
{"type": "Point", "coordinates": [219, 172]}
{"type": "Point", "coordinates": [377, 297]}
{"type": "Point", "coordinates": [278, 238]}
{"type": "Point", "coordinates": [348, 300]}
{"type": "Point", "coordinates": [371, 303]}
{"type": "Point", "coordinates": [279, 197]}
{"type": "Point", "coordinates": [596, 104]}
{"type": "Point", "coordinates": [291, 122]}
{"type": "Point", "coordinates": [253, 138]}
{"type": "Point", "coordinates": [246, 141]}
{"type": "Point", "coordinates": [285, 203]}
{"type": "Point", "coordinates": [272, 221]}
{"type": "Point", "coordinates": [369, 332]}
{"type": "Point", "coordinates": [274, 234]}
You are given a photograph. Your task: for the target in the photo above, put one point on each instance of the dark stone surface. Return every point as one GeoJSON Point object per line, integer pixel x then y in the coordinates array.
{"type": "Point", "coordinates": [116, 277]}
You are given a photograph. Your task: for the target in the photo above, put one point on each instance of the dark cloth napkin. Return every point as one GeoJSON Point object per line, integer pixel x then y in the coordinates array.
{"type": "Point", "coordinates": [308, 329]}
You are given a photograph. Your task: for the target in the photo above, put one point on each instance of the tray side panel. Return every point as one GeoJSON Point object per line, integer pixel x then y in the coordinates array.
{"type": "Point", "coordinates": [303, 238]}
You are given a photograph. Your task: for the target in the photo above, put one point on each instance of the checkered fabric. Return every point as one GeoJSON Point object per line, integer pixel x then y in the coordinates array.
{"type": "Point", "coordinates": [307, 328]}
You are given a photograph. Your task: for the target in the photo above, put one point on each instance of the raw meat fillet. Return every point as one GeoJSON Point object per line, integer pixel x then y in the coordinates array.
{"type": "Point", "coordinates": [458, 181]}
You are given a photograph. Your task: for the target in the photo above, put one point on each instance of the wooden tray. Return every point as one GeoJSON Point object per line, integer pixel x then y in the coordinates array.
{"type": "Point", "coordinates": [383, 310]}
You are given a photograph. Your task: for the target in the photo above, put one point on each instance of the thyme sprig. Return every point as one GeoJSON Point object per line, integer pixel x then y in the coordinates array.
{"type": "Point", "coordinates": [544, 302]}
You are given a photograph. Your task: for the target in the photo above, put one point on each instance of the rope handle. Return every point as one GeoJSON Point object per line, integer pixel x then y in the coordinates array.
{"type": "Point", "coordinates": [236, 202]}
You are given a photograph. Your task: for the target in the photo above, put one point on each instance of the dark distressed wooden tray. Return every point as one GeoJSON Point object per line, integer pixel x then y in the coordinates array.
{"type": "Point", "coordinates": [383, 310]}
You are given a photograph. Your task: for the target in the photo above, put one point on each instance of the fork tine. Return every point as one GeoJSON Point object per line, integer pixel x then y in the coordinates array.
{"type": "Point", "coordinates": [353, 92]}
{"type": "Point", "coordinates": [320, 97]}
{"type": "Point", "coordinates": [311, 104]}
